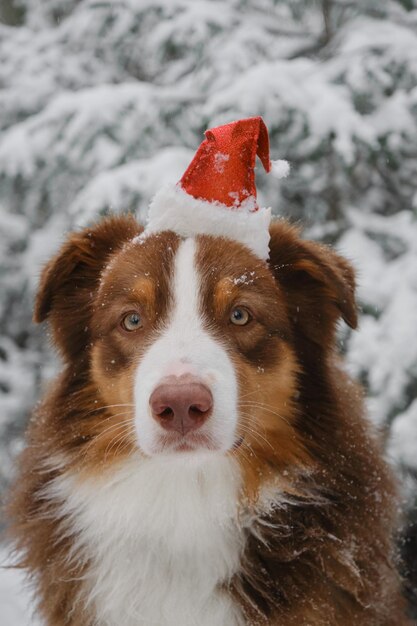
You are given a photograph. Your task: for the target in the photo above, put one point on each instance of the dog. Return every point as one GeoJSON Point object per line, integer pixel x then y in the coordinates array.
{"type": "Point", "coordinates": [203, 459]}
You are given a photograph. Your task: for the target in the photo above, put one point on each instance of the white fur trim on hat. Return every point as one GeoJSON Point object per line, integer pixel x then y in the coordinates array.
{"type": "Point", "coordinates": [174, 209]}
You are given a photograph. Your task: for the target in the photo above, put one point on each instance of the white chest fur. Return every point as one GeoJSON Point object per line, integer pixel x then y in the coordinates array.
{"type": "Point", "coordinates": [162, 536]}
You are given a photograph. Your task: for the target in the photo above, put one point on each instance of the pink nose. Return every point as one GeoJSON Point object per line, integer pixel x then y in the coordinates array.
{"type": "Point", "coordinates": [181, 403]}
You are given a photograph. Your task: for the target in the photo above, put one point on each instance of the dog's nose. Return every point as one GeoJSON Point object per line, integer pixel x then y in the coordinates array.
{"type": "Point", "coordinates": [181, 403]}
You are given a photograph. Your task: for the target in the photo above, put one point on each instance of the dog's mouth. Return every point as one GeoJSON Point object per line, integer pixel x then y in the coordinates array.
{"type": "Point", "coordinates": [177, 442]}
{"type": "Point", "coordinates": [191, 442]}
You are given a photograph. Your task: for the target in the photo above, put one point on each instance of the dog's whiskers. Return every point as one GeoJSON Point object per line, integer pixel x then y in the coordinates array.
{"type": "Point", "coordinates": [106, 431]}
{"type": "Point", "coordinates": [264, 407]}
{"type": "Point", "coordinates": [247, 428]}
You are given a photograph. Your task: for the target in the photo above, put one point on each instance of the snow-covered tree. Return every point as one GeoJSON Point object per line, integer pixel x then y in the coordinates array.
{"type": "Point", "coordinates": [97, 98]}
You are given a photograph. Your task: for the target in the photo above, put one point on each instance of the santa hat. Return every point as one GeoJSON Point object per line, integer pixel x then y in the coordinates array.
{"type": "Point", "coordinates": [217, 194]}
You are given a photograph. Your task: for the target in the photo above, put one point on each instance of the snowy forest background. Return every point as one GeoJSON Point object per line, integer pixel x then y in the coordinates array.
{"type": "Point", "coordinates": [101, 102]}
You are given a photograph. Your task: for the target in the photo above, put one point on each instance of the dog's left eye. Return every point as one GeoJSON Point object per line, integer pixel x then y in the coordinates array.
{"type": "Point", "coordinates": [131, 321]}
{"type": "Point", "coordinates": [240, 316]}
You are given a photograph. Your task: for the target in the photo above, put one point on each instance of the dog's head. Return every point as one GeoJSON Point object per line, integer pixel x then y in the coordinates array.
{"type": "Point", "coordinates": [188, 347]}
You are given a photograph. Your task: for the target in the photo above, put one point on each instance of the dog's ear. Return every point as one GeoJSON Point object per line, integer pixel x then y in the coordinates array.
{"type": "Point", "coordinates": [318, 283]}
{"type": "Point", "coordinates": [69, 280]}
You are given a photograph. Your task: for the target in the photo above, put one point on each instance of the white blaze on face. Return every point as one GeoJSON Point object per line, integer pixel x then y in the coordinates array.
{"type": "Point", "coordinates": [186, 347]}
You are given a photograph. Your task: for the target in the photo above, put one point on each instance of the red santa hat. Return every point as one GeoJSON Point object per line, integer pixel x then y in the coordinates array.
{"type": "Point", "coordinates": [217, 194]}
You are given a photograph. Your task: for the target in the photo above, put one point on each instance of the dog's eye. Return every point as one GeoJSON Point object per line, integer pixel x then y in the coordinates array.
{"type": "Point", "coordinates": [131, 321]}
{"type": "Point", "coordinates": [240, 316]}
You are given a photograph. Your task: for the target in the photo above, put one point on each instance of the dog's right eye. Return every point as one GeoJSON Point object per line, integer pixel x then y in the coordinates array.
{"type": "Point", "coordinates": [240, 316]}
{"type": "Point", "coordinates": [132, 321]}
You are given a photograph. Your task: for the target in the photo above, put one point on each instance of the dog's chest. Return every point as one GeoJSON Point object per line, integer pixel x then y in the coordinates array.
{"type": "Point", "coordinates": [162, 541]}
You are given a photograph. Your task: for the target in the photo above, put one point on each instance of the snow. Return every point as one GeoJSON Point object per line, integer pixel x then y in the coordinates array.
{"type": "Point", "coordinates": [15, 604]}
{"type": "Point", "coordinates": [75, 120]}
{"type": "Point", "coordinates": [219, 162]}
{"type": "Point", "coordinates": [245, 279]}
{"type": "Point", "coordinates": [129, 185]}
{"type": "Point", "coordinates": [384, 345]}
{"type": "Point", "coordinates": [298, 86]}
{"type": "Point", "coordinates": [403, 437]}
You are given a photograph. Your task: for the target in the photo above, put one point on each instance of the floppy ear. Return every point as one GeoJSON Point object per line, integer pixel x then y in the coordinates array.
{"type": "Point", "coordinates": [69, 280]}
{"type": "Point", "coordinates": [319, 284]}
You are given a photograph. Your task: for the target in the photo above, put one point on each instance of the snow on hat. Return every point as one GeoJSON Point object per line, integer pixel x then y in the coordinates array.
{"type": "Point", "coordinates": [217, 193]}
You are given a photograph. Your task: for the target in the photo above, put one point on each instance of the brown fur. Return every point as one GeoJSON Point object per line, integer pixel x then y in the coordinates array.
{"type": "Point", "coordinates": [331, 550]}
{"type": "Point", "coordinates": [325, 555]}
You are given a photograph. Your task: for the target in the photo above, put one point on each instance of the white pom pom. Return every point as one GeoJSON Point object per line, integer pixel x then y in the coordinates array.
{"type": "Point", "coordinates": [280, 168]}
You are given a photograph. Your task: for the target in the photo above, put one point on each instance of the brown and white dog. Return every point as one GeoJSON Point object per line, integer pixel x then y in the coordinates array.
{"type": "Point", "coordinates": [203, 460]}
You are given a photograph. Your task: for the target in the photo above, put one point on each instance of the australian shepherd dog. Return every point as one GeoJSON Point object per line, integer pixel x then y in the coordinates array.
{"type": "Point", "coordinates": [203, 459]}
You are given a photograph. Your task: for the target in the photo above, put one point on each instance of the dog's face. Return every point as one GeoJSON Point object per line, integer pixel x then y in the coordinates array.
{"type": "Point", "coordinates": [190, 347]}
{"type": "Point", "coordinates": [186, 331]}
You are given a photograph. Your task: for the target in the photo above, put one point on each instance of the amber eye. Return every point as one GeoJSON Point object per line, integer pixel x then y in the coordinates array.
{"type": "Point", "coordinates": [131, 321]}
{"type": "Point", "coordinates": [240, 316]}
